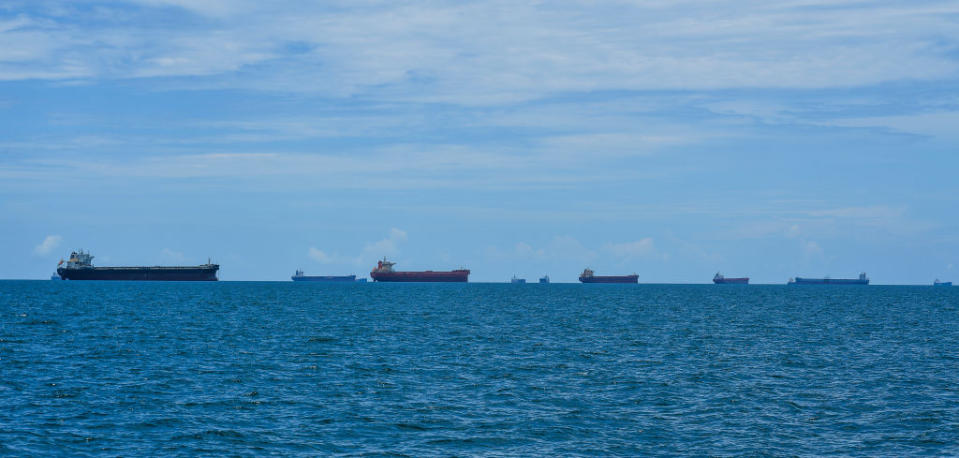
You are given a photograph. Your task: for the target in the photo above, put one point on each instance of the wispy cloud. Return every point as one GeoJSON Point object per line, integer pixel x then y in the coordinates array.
{"type": "Point", "coordinates": [937, 124]}
{"type": "Point", "coordinates": [634, 249]}
{"type": "Point", "coordinates": [812, 249]}
{"type": "Point", "coordinates": [387, 246]}
{"type": "Point", "coordinates": [319, 256]}
{"type": "Point", "coordinates": [525, 250]}
{"type": "Point", "coordinates": [560, 248]}
{"type": "Point", "coordinates": [489, 52]}
{"type": "Point", "coordinates": [169, 255]}
{"type": "Point", "coordinates": [877, 213]}
{"type": "Point", "coordinates": [803, 220]}
{"type": "Point", "coordinates": [793, 231]}
{"type": "Point", "coordinates": [397, 167]}
{"type": "Point", "coordinates": [48, 244]}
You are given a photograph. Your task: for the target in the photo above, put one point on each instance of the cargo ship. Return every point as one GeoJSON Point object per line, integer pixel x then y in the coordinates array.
{"type": "Point", "coordinates": [719, 279]}
{"type": "Point", "coordinates": [862, 280]}
{"type": "Point", "coordinates": [589, 277]}
{"type": "Point", "coordinates": [517, 281]}
{"type": "Point", "coordinates": [384, 272]}
{"type": "Point", "coordinates": [80, 267]}
{"type": "Point", "coordinates": [298, 276]}
{"type": "Point", "coordinates": [544, 279]}
{"type": "Point", "coordinates": [941, 283]}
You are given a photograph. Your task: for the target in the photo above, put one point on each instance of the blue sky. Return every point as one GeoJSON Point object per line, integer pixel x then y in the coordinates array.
{"type": "Point", "coordinates": [672, 139]}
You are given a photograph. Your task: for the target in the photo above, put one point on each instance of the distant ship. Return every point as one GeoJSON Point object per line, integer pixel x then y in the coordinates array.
{"type": "Point", "coordinates": [862, 280]}
{"type": "Point", "coordinates": [80, 267]}
{"type": "Point", "coordinates": [384, 272]}
{"type": "Point", "coordinates": [323, 278]}
{"type": "Point", "coordinates": [544, 279]}
{"type": "Point", "coordinates": [517, 281]}
{"type": "Point", "coordinates": [719, 279]}
{"type": "Point", "coordinates": [588, 277]}
{"type": "Point", "coordinates": [941, 283]}
{"type": "Point", "coordinates": [55, 277]}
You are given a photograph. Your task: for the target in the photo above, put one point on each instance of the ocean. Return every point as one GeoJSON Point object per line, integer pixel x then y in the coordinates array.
{"type": "Point", "coordinates": [250, 368]}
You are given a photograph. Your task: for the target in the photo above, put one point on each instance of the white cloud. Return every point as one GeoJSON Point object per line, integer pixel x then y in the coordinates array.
{"type": "Point", "coordinates": [611, 144]}
{"type": "Point", "coordinates": [390, 168]}
{"type": "Point", "coordinates": [215, 8]}
{"type": "Point", "coordinates": [940, 124]}
{"type": "Point", "coordinates": [812, 249]}
{"type": "Point", "coordinates": [388, 246]}
{"type": "Point", "coordinates": [874, 213]}
{"type": "Point", "coordinates": [567, 247]}
{"type": "Point", "coordinates": [48, 244]}
{"type": "Point", "coordinates": [171, 255]}
{"type": "Point", "coordinates": [397, 234]}
{"type": "Point", "coordinates": [635, 249]}
{"type": "Point", "coordinates": [385, 247]}
{"type": "Point", "coordinates": [802, 220]}
{"type": "Point", "coordinates": [319, 256]}
{"type": "Point", "coordinates": [526, 251]}
{"type": "Point", "coordinates": [793, 231]}
{"type": "Point", "coordinates": [561, 248]}
{"type": "Point", "coordinates": [493, 51]}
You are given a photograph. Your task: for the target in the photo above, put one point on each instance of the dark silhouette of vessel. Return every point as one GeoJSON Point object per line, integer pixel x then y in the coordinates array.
{"type": "Point", "coordinates": [80, 267]}
{"type": "Point", "coordinates": [719, 279]}
{"type": "Point", "coordinates": [862, 280]}
{"type": "Point", "coordinates": [589, 277]}
{"type": "Point", "coordinates": [298, 276]}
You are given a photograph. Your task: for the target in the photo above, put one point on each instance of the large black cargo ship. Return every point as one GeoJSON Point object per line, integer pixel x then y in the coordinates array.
{"type": "Point", "coordinates": [80, 267]}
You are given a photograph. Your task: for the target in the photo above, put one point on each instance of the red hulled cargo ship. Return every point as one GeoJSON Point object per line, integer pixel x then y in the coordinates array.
{"type": "Point", "coordinates": [588, 277]}
{"type": "Point", "coordinates": [384, 272]}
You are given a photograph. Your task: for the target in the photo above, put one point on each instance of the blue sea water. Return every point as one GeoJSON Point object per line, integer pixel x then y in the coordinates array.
{"type": "Point", "coordinates": [120, 368]}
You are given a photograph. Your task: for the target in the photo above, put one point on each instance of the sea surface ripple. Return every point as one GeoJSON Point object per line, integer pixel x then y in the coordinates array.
{"type": "Point", "coordinates": [116, 368]}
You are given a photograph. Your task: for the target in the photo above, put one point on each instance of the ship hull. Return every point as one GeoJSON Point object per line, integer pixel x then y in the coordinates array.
{"type": "Point", "coordinates": [326, 278]}
{"type": "Point", "coordinates": [610, 279]}
{"type": "Point", "coordinates": [731, 281]}
{"type": "Point", "coordinates": [455, 276]}
{"type": "Point", "coordinates": [187, 273]}
{"type": "Point", "coordinates": [944, 283]}
{"type": "Point", "coordinates": [829, 281]}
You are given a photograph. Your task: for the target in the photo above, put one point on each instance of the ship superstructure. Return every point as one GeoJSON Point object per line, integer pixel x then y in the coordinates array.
{"type": "Point", "coordinates": [384, 272]}
{"type": "Point", "coordinates": [588, 276]}
{"type": "Point", "coordinates": [80, 267]}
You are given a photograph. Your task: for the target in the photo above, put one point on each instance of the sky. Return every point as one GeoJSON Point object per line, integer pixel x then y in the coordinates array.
{"type": "Point", "coordinates": [673, 139]}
